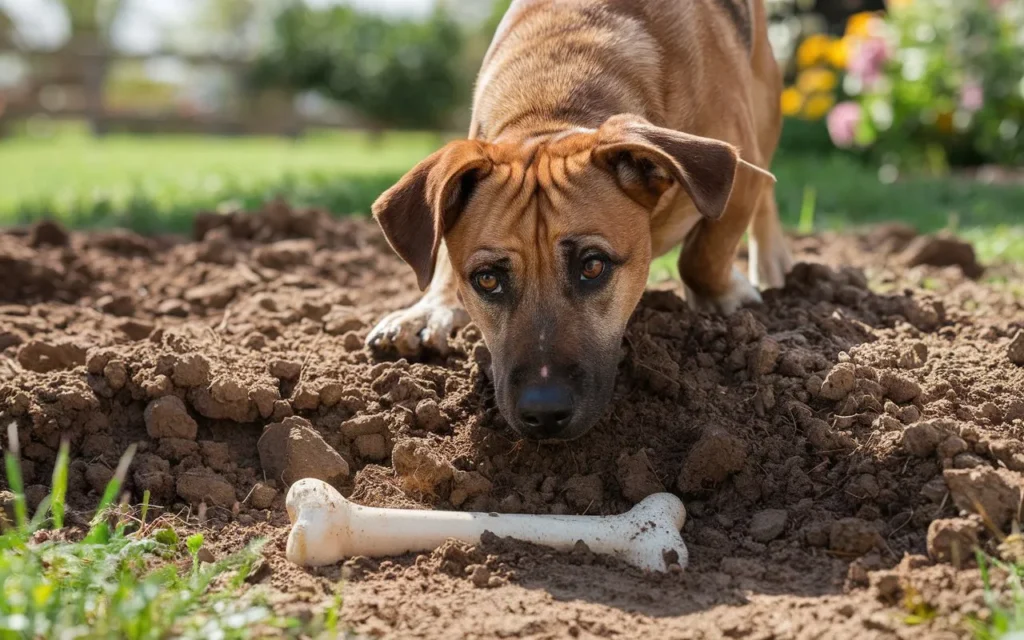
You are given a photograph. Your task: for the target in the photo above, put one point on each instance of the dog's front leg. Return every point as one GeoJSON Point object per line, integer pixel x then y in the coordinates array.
{"type": "Point", "coordinates": [429, 324]}
{"type": "Point", "coordinates": [707, 264]}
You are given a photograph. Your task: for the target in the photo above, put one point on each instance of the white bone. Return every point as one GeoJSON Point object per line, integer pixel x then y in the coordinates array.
{"type": "Point", "coordinates": [327, 528]}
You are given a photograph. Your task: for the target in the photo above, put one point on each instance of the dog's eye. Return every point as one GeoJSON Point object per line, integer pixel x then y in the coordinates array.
{"type": "Point", "coordinates": [593, 268]}
{"type": "Point", "coordinates": [487, 282]}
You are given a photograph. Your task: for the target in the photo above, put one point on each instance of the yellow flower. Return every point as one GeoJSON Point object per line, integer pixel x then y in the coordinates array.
{"type": "Point", "coordinates": [816, 81]}
{"type": "Point", "coordinates": [812, 50]}
{"type": "Point", "coordinates": [839, 52]}
{"type": "Point", "coordinates": [792, 101]}
{"type": "Point", "coordinates": [861, 24]}
{"type": "Point", "coordinates": [818, 105]}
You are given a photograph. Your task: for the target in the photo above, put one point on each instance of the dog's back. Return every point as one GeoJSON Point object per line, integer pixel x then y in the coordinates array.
{"type": "Point", "coordinates": [691, 65]}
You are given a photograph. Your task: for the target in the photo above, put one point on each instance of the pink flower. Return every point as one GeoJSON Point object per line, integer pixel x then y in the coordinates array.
{"type": "Point", "coordinates": [972, 96]}
{"type": "Point", "coordinates": [842, 123]}
{"type": "Point", "coordinates": [867, 61]}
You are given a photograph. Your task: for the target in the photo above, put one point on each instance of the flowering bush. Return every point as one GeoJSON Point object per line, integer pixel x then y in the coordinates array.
{"type": "Point", "coordinates": [933, 83]}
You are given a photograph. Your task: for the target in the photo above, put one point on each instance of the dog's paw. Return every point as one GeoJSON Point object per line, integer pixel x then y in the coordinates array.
{"type": "Point", "coordinates": [740, 294]}
{"type": "Point", "coordinates": [428, 325]}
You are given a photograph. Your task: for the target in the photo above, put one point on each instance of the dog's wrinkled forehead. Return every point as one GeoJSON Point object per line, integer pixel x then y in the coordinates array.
{"type": "Point", "coordinates": [542, 190]}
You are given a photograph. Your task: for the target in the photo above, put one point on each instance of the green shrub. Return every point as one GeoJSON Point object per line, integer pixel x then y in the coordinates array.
{"type": "Point", "coordinates": [936, 83]}
{"type": "Point", "coordinates": [395, 73]}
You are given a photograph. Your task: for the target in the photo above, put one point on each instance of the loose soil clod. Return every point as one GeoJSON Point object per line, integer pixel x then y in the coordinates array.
{"type": "Point", "coordinates": [815, 439]}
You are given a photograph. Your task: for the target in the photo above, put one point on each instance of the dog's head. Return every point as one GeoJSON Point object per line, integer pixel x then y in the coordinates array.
{"type": "Point", "coordinates": [550, 241]}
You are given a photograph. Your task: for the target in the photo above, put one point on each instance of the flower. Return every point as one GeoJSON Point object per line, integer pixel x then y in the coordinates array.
{"type": "Point", "coordinates": [972, 96]}
{"type": "Point", "coordinates": [842, 123]}
{"type": "Point", "coordinates": [868, 59]}
{"type": "Point", "coordinates": [792, 101]}
{"type": "Point", "coordinates": [839, 52]}
{"type": "Point", "coordinates": [818, 105]}
{"type": "Point", "coordinates": [812, 50]}
{"type": "Point", "coordinates": [863, 24]}
{"type": "Point", "coordinates": [816, 80]}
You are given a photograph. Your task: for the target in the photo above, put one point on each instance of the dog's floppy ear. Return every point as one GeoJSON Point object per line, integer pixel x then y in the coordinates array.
{"type": "Point", "coordinates": [646, 160]}
{"type": "Point", "coordinates": [426, 202]}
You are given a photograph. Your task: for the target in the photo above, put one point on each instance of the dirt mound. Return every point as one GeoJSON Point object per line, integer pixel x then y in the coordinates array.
{"type": "Point", "coordinates": [825, 443]}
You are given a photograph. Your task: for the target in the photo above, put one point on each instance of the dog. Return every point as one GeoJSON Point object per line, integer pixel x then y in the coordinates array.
{"type": "Point", "coordinates": [605, 133]}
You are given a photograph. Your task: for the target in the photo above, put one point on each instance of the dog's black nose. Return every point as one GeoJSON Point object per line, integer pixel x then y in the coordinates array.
{"type": "Point", "coordinates": [545, 409]}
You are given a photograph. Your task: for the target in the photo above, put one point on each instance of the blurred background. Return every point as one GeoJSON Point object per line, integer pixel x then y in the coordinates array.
{"type": "Point", "coordinates": [140, 113]}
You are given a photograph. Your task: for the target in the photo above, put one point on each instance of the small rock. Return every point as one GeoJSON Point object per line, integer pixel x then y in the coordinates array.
{"type": "Point", "coordinates": [116, 374]}
{"type": "Point", "coordinates": [763, 357]}
{"type": "Point", "coordinates": [1009, 452]}
{"type": "Point", "coordinates": [942, 250]}
{"type": "Point", "coordinates": [467, 485]}
{"type": "Point", "coordinates": [98, 476]}
{"type": "Point", "coordinates": [262, 496]}
{"type": "Point", "coordinates": [371, 446]}
{"type": "Point", "coordinates": [863, 487]}
{"type": "Point", "coordinates": [935, 489]}
{"type": "Point", "coordinates": [717, 455]}
{"type": "Point", "coordinates": [636, 478]}
{"type": "Point", "coordinates": [285, 369]}
{"type": "Point", "coordinates": [584, 492]}
{"type": "Point", "coordinates": [285, 253]}
{"type": "Point", "coordinates": [839, 382]}
{"type": "Point", "coordinates": [853, 537]}
{"type": "Point", "coordinates": [136, 329]}
{"type": "Point", "coordinates": [994, 493]}
{"type": "Point", "coordinates": [885, 586]}
{"type": "Point", "coordinates": [914, 357]}
{"type": "Point", "coordinates": [768, 524]}
{"type": "Point", "coordinates": [201, 485]}
{"type": "Point", "coordinates": [291, 450]}
{"type": "Point", "coordinates": [364, 425]}
{"type": "Point", "coordinates": [898, 388]}
{"type": "Point", "coordinates": [1016, 349]}
{"type": "Point", "coordinates": [167, 417]}
{"type": "Point", "coordinates": [953, 540]}
{"type": "Point", "coordinates": [922, 439]}
{"type": "Point", "coordinates": [951, 447]}
{"type": "Point", "coordinates": [969, 461]}
{"type": "Point", "coordinates": [48, 233]}
{"type": "Point", "coordinates": [191, 370]}
{"type": "Point", "coordinates": [429, 417]}
{"type": "Point", "coordinates": [480, 575]}
{"type": "Point", "coordinates": [421, 469]}
{"type": "Point", "coordinates": [173, 307]}
{"type": "Point", "coordinates": [120, 304]}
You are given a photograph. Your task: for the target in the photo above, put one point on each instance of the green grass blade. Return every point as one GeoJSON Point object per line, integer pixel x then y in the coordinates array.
{"type": "Point", "coordinates": [808, 210]}
{"type": "Point", "coordinates": [100, 531]}
{"type": "Point", "coordinates": [145, 509]}
{"type": "Point", "coordinates": [59, 492]}
{"type": "Point", "coordinates": [14, 479]}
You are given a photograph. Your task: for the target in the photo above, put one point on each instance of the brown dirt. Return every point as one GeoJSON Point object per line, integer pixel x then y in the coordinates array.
{"type": "Point", "coordinates": [824, 443]}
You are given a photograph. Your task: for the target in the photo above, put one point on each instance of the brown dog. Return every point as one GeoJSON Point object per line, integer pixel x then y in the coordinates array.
{"type": "Point", "coordinates": [605, 133]}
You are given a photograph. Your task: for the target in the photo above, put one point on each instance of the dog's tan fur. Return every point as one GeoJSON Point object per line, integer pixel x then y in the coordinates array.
{"type": "Point", "coordinates": [624, 126]}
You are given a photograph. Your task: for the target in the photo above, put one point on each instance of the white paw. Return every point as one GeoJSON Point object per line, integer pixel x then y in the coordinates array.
{"type": "Point", "coordinates": [740, 293]}
{"type": "Point", "coordinates": [769, 264]}
{"type": "Point", "coordinates": [428, 325]}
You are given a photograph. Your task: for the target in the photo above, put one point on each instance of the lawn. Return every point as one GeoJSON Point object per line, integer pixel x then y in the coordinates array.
{"type": "Point", "coordinates": [155, 184]}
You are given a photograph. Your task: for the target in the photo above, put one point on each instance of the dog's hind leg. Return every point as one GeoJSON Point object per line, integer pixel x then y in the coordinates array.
{"type": "Point", "coordinates": [429, 324]}
{"type": "Point", "coordinates": [770, 259]}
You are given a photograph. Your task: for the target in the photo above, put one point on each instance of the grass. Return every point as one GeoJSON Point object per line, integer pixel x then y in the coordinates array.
{"type": "Point", "coordinates": [124, 577]}
{"type": "Point", "coordinates": [1006, 606]}
{"type": "Point", "coordinates": [156, 184]}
